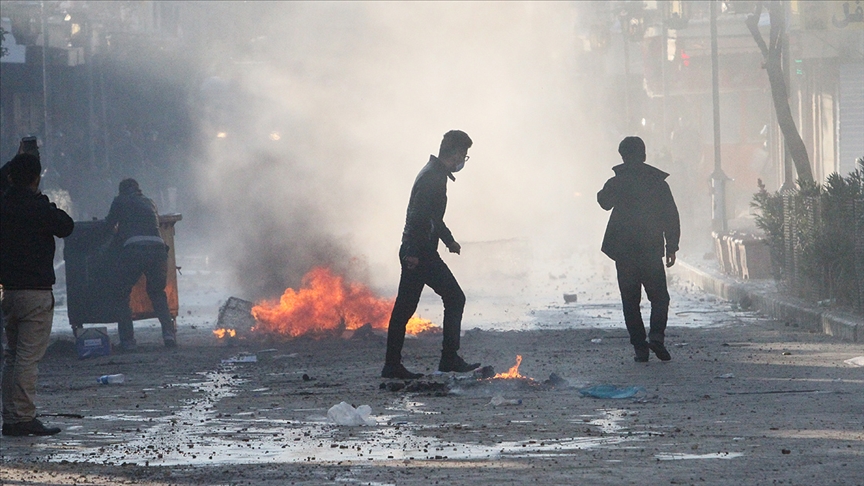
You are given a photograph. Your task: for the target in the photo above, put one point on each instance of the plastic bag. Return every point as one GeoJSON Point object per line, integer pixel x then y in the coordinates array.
{"type": "Point", "coordinates": [345, 414]}
{"type": "Point", "coordinates": [610, 391]}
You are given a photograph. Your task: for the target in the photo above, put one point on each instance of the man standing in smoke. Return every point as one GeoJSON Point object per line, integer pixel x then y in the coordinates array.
{"type": "Point", "coordinates": [421, 264]}
{"type": "Point", "coordinates": [643, 216]}
{"type": "Point", "coordinates": [141, 251]}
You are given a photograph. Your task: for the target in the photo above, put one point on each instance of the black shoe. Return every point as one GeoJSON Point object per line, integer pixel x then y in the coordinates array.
{"type": "Point", "coordinates": [641, 354]}
{"type": "Point", "coordinates": [660, 351]}
{"type": "Point", "coordinates": [33, 427]}
{"type": "Point", "coordinates": [457, 364]}
{"type": "Point", "coordinates": [170, 340]}
{"type": "Point", "coordinates": [399, 372]}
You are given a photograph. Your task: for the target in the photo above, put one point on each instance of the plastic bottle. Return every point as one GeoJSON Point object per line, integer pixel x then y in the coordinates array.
{"type": "Point", "coordinates": [499, 400]}
{"type": "Point", "coordinates": [111, 379]}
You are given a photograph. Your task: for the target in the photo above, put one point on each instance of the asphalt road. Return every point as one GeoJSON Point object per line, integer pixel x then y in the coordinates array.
{"type": "Point", "coordinates": [745, 400]}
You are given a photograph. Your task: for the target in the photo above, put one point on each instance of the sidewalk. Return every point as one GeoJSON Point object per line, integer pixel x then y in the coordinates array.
{"type": "Point", "coordinates": [762, 295]}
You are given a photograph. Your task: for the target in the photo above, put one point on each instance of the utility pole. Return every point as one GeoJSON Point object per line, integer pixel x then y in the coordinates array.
{"type": "Point", "coordinates": [46, 124]}
{"type": "Point", "coordinates": [718, 178]}
{"type": "Point", "coordinates": [626, 73]}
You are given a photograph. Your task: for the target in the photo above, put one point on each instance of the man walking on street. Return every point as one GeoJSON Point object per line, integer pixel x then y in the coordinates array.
{"type": "Point", "coordinates": [421, 264]}
{"type": "Point", "coordinates": [28, 224]}
{"type": "Point", "coordinates": [142, 251]}
{"type": "Point", "coordinates": [643, 216]}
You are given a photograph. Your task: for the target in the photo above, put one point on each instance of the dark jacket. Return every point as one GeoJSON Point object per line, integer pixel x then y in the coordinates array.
{"type": "Point", "coordinates": [4, 174]}
{"type": "Point", "coordinates": [643, 214]}
{"type": "Point", "coordinates": [28, 225]}
{"type": "Point", "coordinates": [424, 223]}
{"type": "Point", "coordinates": [134, 215]}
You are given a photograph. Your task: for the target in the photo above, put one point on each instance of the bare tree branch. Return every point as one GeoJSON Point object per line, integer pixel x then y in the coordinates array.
{"type": "Point", "coordinates": [773, 56]}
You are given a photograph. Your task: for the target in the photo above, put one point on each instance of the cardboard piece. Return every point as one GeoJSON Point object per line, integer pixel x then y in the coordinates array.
{"type": "Point", "coordinates": [92, 342]}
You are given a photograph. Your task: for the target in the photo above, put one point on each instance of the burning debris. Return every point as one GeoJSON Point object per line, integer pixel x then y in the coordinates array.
{"type": "Point", "coordinates": [325, 305]}
{"type": "Point", "coordinates": [235, 317]}
{"type": "Point", "coordinates": [222, 333]}
{"type": "Point", "coordinates": [513, 373]}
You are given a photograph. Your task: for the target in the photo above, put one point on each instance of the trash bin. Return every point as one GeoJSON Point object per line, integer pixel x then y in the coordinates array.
{"type": "Point", "coordinates": [90, 280]}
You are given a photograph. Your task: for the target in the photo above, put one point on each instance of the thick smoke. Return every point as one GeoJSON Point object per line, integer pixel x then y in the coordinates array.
{"type": "Point", "coordinates": [318, 122]}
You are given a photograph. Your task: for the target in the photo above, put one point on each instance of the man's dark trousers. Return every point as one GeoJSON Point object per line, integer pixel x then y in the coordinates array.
{"type": "Point", "coordinates": [632, 276]}
{"type": "Point", "coordinates": [431, 271]}
{"type": "Point", "coordinates": [135, 260]}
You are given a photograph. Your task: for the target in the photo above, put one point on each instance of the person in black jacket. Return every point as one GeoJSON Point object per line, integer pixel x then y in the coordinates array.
{"type": "Point", "coordinates": [421, 264]}
{"type": "Point", "coordinates": [27, 145]}
{"type": "Point", "coordinates": [28, 224]}
{"type": "Point", "coordinates": [135, 221]}
{"type": "Point", "coordinates": [644, 216]}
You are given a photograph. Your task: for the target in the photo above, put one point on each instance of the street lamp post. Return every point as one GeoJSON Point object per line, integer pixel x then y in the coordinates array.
{"type": "Point", "coordinates": [718, 177]}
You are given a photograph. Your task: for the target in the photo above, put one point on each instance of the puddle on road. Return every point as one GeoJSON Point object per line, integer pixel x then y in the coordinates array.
{"type": "Point", "coordinates": [678, 456]}
{"type": "Point", "coordinates": [182, 439]}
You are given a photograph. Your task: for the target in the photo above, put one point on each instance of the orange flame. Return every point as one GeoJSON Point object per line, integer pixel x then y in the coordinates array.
{"type": "Point", "coordinates": [325, 303]}
{"type": "Point", "coordinates": [512, 372]}
{"type": "Point", "coordinates": [223, 333]}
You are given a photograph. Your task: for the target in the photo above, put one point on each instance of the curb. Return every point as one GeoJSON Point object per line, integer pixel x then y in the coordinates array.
{"type": "Point", "coordinates": [844, 325]}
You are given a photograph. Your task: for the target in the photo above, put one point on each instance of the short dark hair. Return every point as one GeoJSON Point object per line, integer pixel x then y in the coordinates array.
{"type": "Point", "coordinates": [24, 169]}
{"type": "Point", "coordinates": [129, 186]}
{"type": "Point", "coordinates": [632, 149]}
{"type": "Point", "coordinates": [453, 142]}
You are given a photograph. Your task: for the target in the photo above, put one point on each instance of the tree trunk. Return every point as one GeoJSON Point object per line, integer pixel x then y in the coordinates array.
{"type": "Point", "coordinates": [772, 54]}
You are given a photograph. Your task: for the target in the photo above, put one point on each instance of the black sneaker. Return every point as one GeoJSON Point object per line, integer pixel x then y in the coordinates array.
{"type": "Point", "coordinates": [660, 351]}
{"type": "Point", "coordinates": [641, 354]}
{"type": "Point", "coordinates": [33, 427]}
{"type": "Point", "coordinates": [399, 372]}
{"type": "Point", "coordinates": [457, 364]}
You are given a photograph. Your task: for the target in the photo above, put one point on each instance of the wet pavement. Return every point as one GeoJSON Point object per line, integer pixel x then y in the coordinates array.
{"type": "Point", "coordinates": [745, 400]}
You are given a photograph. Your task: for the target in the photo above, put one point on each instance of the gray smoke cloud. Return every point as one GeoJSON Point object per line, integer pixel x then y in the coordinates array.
{"type": "Point", "coordinates": [317, 126]}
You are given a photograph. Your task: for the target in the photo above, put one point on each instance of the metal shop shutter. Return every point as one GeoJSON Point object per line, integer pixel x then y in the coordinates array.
{"type": "Point", "coordinates": [851, 116]}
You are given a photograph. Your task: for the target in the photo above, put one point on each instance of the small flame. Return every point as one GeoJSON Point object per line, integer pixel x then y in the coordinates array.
{"type": "Point", "coordinates": [223, 333]}
{"type": "Point", "coordinates": [417, 325]}
{"type": "Point", "coordinates": [513, 372]}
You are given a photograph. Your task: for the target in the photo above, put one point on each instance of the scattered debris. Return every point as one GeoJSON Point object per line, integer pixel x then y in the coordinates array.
{"type": "Point", "coordinates": [236, 314]}
{"type": "Point", "coordinates": [117, 379]}
{"type": "Point", "coordinates": [597, 340]}
{"type": "Point", "coordinates": [498, 400]}
{"type": "Point", "coordinates": [243, 358]}
{"type": "Point", "coordinates": [345, 414]}
{"type": "Point", "coordinates": [570, 298]}
{"type": "Point", "coordinates": [307, 377]}
{"type": "Point", "coordinates": [65, 415]}
{"type": "Point", "coordinates": [414, 386]}
{"type": "Point", "coordinates": [556, 381]}
{"type": "Point", "coordinates": [364, 333]}
{"type": "Point", "coordinates": [392, 386]}
{"type": "Point", "coordinates": [772, 391]}
{"type": "Point", "coordinates": [726, 376]}
{"type": "Point", "coordinates": [484, 373]}
{"type": "Point", "coordinates": [856, 361]}
{"type": "Point", "coordinates": [611, 391]}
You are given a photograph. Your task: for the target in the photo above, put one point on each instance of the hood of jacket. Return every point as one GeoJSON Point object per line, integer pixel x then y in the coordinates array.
{"type": "Point", "coordinates": [639, 169]}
